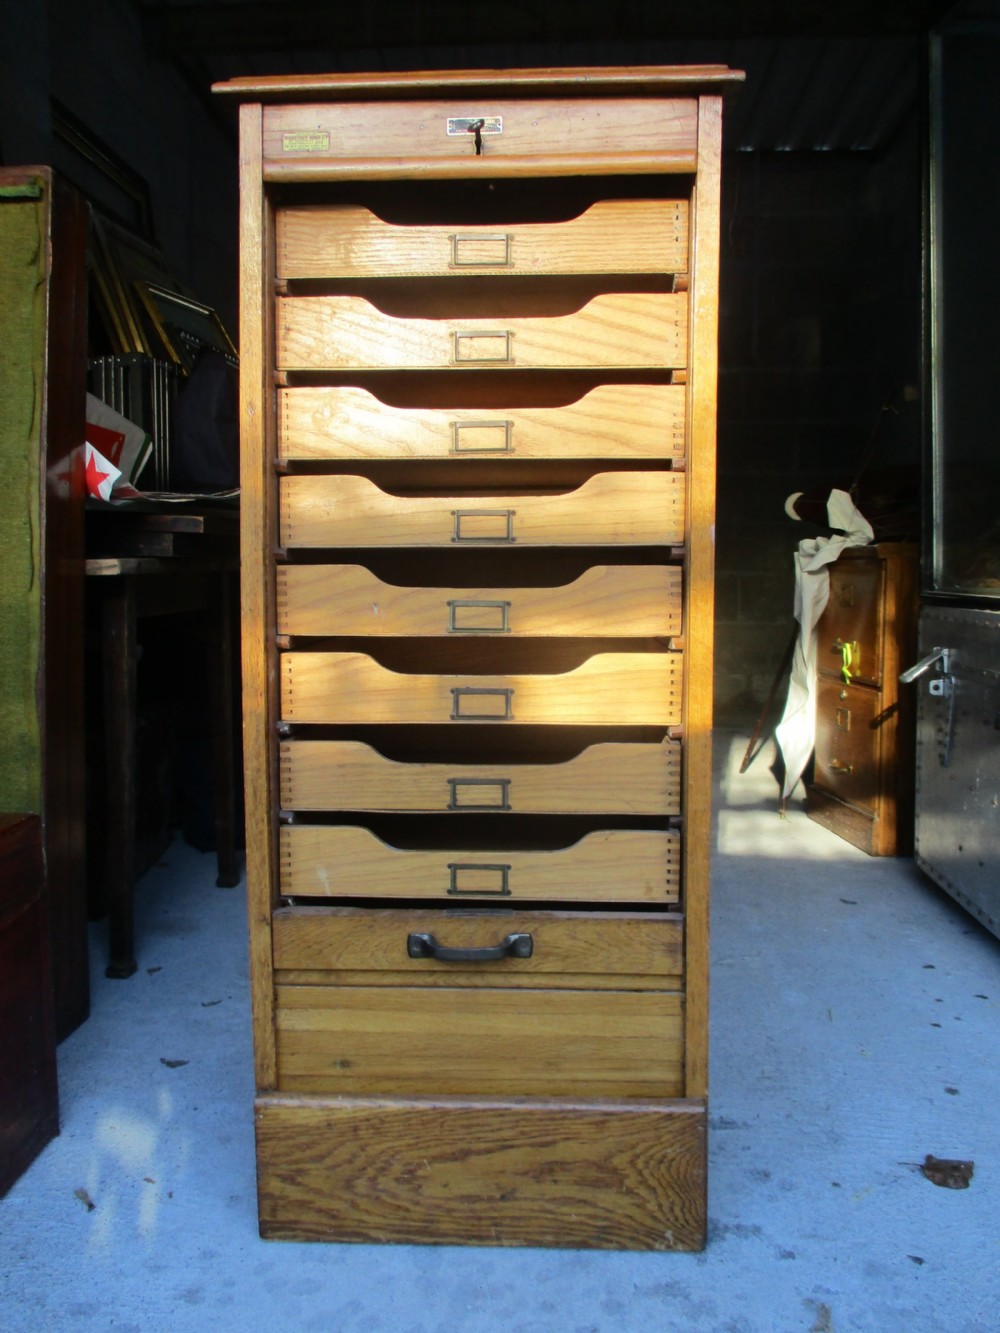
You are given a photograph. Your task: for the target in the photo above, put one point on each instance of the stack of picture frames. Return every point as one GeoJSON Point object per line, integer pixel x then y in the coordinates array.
{"type": "Point", "coordinates": [143, 308]}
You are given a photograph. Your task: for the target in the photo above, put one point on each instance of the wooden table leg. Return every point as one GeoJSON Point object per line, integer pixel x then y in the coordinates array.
{"type": "Point", "coordinates": [119, 664]}
{"type": "Point", "coordinates": [220, 653]}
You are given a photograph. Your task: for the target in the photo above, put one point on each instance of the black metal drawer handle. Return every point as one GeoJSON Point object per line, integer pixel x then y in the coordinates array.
{"type": "Point", "coordinates": [426, 946]}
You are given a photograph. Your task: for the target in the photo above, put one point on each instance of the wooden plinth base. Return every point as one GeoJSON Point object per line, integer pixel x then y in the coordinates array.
{"type": "Point", "coordinates": [456, 1171]}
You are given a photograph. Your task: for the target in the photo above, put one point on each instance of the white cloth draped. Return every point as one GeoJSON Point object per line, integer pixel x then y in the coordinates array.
{"type": "Point", "coordinates": [796, 732]}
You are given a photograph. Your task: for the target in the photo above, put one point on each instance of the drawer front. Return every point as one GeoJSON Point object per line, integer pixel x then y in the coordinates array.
{"type": "Point", "coordinates": [612, 236]}
{"type": "Point", "coordinates": [611, 865]}
{"type": "Point", "coordinates": [611, 509]}
{"type": "Point", "coordinates": [848, 742]}
{"type": "Point", "coordinates": [850, 628]}
{"type": "Point", "coordinates": [611, 778]}
{"type": "Point", "coordinates": [445, 1041]}
{"type": "Point", "coordinates": [636, 601]}
{"type": "Point", "coordinates": [617, 330]}
{"type": "Point", "coordinates": [611, 421]}
{"type": "Point", "coordinates": [615, 689]}
{"type": "Point", "coordinates": [519, 137]}
{"type": "Point", "coordinates": [354, 946]}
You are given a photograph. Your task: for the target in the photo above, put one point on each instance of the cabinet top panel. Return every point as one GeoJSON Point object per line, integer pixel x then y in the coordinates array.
{"type": "Point", "coordinates": [649, 80]}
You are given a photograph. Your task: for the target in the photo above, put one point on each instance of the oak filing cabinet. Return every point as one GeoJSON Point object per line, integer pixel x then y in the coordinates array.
{"type": "Point", "coordinates": [478, 352]}
{"type": "Point", "coordinates": [864, 766]}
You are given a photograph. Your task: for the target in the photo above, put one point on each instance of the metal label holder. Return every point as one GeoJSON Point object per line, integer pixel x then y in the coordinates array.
{"type": "Point", "coordinates": [462, 692]}
{"type": "Point", "coordinates": [477, 347]}
{"type": "Point", "coordinates": [456, 607]}
{"type": "Point", "coordinates": [485, 251]}
{"type": "Point", "coordinates": [504, 443]}
{"type": "Point", "coordinates": [501, 786]}
{"type": "Point", "coordinates": [504, 537]}
{"type": "Point", "coordinates": [502, 889]}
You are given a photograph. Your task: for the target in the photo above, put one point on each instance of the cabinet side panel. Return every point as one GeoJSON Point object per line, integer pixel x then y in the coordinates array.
{"type": "Point", "coordinates": [699, 593]}
{"type": "Point", "coordinates": [257, 546]}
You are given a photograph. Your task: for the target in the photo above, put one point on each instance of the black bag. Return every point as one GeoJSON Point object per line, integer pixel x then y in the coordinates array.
{"type": "Point", "coordinates": [205, 443]}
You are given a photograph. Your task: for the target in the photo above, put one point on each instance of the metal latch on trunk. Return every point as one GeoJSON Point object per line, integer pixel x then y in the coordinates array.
{"type": "Point", "coordinates": [941, 686]}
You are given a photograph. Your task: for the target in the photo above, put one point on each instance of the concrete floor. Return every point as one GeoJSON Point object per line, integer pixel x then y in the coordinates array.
{"type": "Point", "coordinates": [854, 1031]}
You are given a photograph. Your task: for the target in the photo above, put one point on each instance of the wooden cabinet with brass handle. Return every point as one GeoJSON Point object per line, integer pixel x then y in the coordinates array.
{"type": "Point", "coordinates": [478, 375]}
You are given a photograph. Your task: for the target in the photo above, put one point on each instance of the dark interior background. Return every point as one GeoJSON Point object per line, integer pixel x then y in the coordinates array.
{"type": "Point", "coordinates": [822, 269]}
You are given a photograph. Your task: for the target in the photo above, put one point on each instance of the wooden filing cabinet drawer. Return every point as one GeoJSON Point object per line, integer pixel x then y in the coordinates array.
{"type": "Point", "coordinates": [610, 865]}
{"type": "Point", "coordinates": [355, 946]}
{"type": "Point", "coordinates": [617, 601]}
{"type": "Point", "coordinates": [610, 509]}
{"type": "Point", "coordinates": [848, 742]}
{"type": "Point", "coordinates": [612, 689]}
{"type": "Point", "coordinates": [595, 1006]}
{"type": "Point", "coordinates": [521, 136]}
{"type": "Point", "coordinates": [612, 777]}
{"type": "Point", "coordinates": [614, 330]}
{"type": "Point", "coordinates": [853, 617]}
{"type": "Point", "coordinates": [612, 236]}
{"type": "Point", "coordinates": [610, 421]}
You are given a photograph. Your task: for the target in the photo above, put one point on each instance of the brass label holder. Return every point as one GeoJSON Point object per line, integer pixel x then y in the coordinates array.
{"type": "Point", "coordinates": [496, 877]}
{"type": "Point", "coordinates": [474, 526]}
{"type": "Point", "coordinates": [462, 617]}
{"type": "Point", "coordinates": [483, 794]}
{"type": "Point", "coordinates": [482, 437]}
{"type": "Point", "coordinates": [475, 703]}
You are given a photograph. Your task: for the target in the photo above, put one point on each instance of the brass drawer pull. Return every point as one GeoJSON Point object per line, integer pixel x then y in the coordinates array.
{"type": "Point", "coordinates": [476, 879]}
{"type": "Point", "coordinates": [484, 526]}
{"type": "Point", "coordinates": [426, 946]}
{"type": "Point", "coordinates": [472, 617]}
{"type": "Point", "coordinates": [483, 794]}
{"type": "Point", "coordinates": [481, 437]}
{"type": "Point", "coordinates": [481, 251]}
{"type": "Point", "coordinates": [484, 704]}
{"type": "Point", "coordinates": [475, 348]}
{"type": "Point", "coordinates": [838, 767]}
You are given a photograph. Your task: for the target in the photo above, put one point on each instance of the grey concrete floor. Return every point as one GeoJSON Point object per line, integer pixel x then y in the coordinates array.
{"type": "Point", "coordinates": [854, 1030]}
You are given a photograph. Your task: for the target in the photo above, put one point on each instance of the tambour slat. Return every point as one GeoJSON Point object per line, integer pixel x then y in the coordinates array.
{"type": "Point", "coordinates": [610, 865]}
{"type": "Point", "coordinates": [641, 689]}
{"type": "Point", "coordinates": [628, 330]}
{"type": "Point", "coordinates": [611, 421]}
{"type": "Point", "coordinates": [479, 1041]}
{"type": "Point", "coordinates": [612, 778]}
{"type": "Point", "coordinates": [616, 601]}
{"type": "Point", "coordinates": [612, 236]}
{"type": "Point", "coordinates": [610, 509]}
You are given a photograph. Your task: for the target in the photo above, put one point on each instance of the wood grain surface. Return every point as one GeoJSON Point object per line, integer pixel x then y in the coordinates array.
{"type": "Point", "coordinates": [630, 330]}
{"type": "Point", "coordinates": [611, 509]}
{"type": "Point", "coordinates": [604, 1175]}
{"type": "Point", "coordinates": [644, 689]}
{"type": "Point", "coordinates": [612, 236]}
{"type": "Point", "coordinates": [610, 421]}
{"type": "Point", "coordinates": [609, 865]}
{"type": "Point", "coordinates": [617, 601]}
{"type": "Point", "coordinates": [611, 777]}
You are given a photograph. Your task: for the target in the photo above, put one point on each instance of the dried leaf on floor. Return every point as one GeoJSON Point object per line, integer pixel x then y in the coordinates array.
{"type": "Point", "coordinates": [85, 1199]}
{"type": "Point", "coordinates": [207, 1004]}
{"type": "Point", "coordinates": [948, 1172]}
{"type": "Point", "coordinates": [172, 1064]}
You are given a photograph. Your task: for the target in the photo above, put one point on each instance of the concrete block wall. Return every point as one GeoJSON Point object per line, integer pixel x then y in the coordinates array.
{"type": "Point", "coordinates": [820, 325]}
